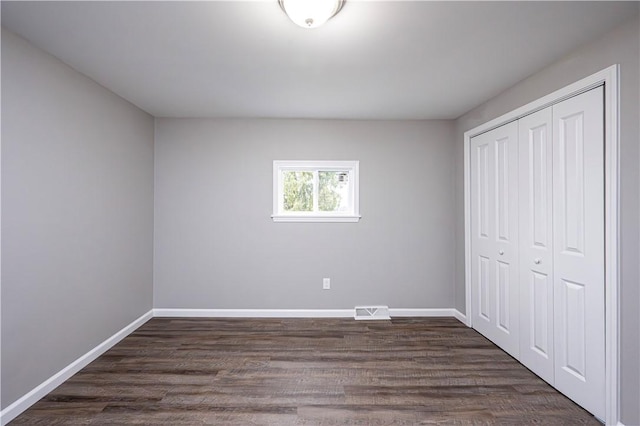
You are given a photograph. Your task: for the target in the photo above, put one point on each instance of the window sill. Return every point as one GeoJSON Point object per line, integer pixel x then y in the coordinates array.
{"type": "Point", "coordinates": [307, 218]}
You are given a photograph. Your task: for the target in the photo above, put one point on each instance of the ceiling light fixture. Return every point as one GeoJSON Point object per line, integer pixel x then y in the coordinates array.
{"type": "Point", "coordinates": [311, 13]}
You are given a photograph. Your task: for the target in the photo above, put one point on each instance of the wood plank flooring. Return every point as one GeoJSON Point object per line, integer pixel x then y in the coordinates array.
{"type": "Point", "coordinates": [304, 372]}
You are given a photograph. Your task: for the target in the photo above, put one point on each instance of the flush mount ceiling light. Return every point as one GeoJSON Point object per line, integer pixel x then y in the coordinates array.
{"type": "Point", "coordinates": [311, 13]}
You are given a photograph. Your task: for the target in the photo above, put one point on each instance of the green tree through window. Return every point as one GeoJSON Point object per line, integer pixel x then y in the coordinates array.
{"type": "Point", "coordinates": [298, 191]}
{"type": "Point", "coordinates": [328, 196]}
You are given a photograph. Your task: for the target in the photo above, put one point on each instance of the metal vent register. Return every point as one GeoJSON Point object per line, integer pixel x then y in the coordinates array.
{"type": "Point", "coordinates": [372, 313]}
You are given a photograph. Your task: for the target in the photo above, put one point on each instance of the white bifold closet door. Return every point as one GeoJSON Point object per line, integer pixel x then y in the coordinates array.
{"type": "Point", "coordinates": [578, 249]}
{"type": "Point", "coordinates": [494, 228]}
{"type": "Point", "coordinates": [537, 244]}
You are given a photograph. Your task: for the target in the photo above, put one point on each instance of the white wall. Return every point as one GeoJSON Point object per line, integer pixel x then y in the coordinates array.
{"type": "Point", "coordinates": [77, 214]}
{"type": "Point", "coordinates": [217, 247]}
{"type": "Point", "coordinates": [622, 47]}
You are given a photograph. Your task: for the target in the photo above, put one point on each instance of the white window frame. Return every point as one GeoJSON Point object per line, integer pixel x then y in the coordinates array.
{"type": "Point", "coordinates": [279, 215]}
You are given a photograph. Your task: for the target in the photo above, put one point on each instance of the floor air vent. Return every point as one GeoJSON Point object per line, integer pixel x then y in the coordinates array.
{"type": "Point", "coordinates": [372, 313]}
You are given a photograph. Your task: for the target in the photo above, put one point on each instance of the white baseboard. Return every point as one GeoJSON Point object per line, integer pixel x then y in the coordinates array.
{"type": "Point", "coordinates": [254, 313]}
{"type": "Point", "coordinates": [15, 409]}
{"type": "Point", "coordinates": [420, 312]}
{"type": "Point", "coordinates": [461, 317]}
{"type": "Point", "coordinates": [296, 313]}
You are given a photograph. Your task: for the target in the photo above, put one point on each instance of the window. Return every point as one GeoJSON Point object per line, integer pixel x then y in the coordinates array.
{"type": "Point", "coordinates": [315, 191]}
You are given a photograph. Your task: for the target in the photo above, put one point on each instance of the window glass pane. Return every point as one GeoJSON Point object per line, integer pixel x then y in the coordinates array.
{"type": "Point", "coordinates": [298, 191]}
{"type": "Point", "coordinates": [333, 191]}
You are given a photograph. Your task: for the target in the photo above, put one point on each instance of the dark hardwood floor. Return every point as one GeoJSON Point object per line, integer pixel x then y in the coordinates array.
{"type": "Point", "coordinates": [304, 372]}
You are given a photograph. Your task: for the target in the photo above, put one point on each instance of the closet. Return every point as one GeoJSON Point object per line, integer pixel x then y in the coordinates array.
{"type": "Point", "coordinates": [537, 243]}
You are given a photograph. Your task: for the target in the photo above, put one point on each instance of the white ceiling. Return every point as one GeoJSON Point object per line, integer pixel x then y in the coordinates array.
{"type": "Point", "coordinates": [374, 60]}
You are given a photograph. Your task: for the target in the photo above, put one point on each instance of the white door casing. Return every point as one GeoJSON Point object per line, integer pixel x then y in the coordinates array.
{"type": "Point", "coordinates": [578, 217]}
{"type": "Point", "coordinates": [494, 205]}
{"type": "Point", "coordinates": [536, 243]}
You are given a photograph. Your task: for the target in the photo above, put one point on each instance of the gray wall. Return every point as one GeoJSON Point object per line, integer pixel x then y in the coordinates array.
{"type": "Point", "coordinates": [78, 207]}
{"type": "Point", "coordinates": [77, 215]}
{"type": "Point", "coordinates": [217, 247]}
{"type": "Point", "coordinates": [622, 47]}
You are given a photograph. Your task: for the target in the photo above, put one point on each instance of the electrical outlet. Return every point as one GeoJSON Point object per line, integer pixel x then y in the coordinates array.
{"type": "Point", "coordinates": [326, 283]}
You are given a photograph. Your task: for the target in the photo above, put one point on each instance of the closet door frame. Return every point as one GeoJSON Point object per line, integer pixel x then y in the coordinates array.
{"type": "Point", "coordinates": [608, 78]}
